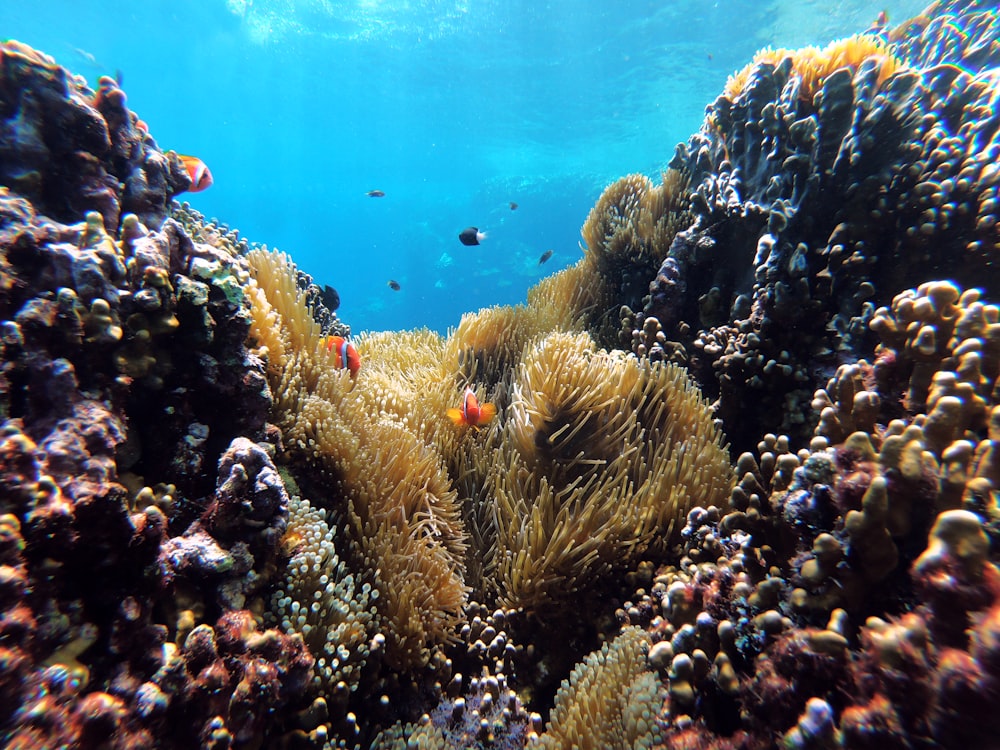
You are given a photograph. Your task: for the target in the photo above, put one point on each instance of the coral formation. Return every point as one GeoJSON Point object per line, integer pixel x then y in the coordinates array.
{"type": "Point", "coordinates": [69, 150]}
{"type": "Point", "coordinates": [212, 536]}
{"type": "Point", "coordinates": [823, 182]}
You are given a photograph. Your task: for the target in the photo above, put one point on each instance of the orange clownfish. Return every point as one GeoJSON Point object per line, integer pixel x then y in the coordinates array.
{"type": "Point", "coordinates": [347, 356]}
{"type": "Point", "coordinates": [472, 412]}
{"type": "Point", "coordinates": [201, 177]}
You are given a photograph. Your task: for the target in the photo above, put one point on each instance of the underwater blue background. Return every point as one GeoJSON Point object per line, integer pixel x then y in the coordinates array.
{"type": "Point", "coordinates": [453, 108]}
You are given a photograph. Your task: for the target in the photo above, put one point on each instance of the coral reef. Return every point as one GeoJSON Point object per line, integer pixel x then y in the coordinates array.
{"type": "Point", "coordinates": [212, 536]}
{"type": "Point", "coordinates": [69, 150]}
{"type": "Point", "coordinates": [125, 379]}
{"type": "Point", "coordinates": [824, 181]}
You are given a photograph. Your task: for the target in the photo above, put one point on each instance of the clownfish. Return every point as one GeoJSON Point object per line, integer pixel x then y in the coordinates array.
{"type": "Point", "coordinates": [472, 412]}
{"type": "Point", "coordinates": [347, 356]}
{"type": "Point", "coordinates": [201, 177]}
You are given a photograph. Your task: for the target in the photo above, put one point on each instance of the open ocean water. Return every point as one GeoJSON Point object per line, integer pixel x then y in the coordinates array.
{"type": "Point", "coordinates": [453, 109]}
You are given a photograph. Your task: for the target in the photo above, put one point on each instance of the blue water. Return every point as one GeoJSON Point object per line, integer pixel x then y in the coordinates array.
{"type": "Point", "coordinates": [454, 109]}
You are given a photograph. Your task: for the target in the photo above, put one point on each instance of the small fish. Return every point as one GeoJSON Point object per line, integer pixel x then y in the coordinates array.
{"type": "Point", "coordinates": [394, 285]}
{"type": "Point", "coordinates": [201, 177]}
{"type": "Point", "coordinates": [472, 413]}
{"type": "Point", "coordinates": [545, 256]}
{"type": "Point", "coordinates": [330, 298]}
{"type": "Point", "coordinates": [376, 194]}
{"type": "Point", "coordinates": [513, 206]}
{"type": "Point", "coordinates": [347, 356]}
{"type": "Point", "coordinates": [471, 236]}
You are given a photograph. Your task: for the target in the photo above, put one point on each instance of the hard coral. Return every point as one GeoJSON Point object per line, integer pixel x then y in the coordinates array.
{"type": "Point", "coordinates": [812, 65]}
{"type": "Point", "coordinates": [227, 550]}
{"type": "Point", "coordinates": [70, 151]}
{"type": "Point", "coordinates": [770, 284]}
{"type": "Point", "coordinates": [822, 183]}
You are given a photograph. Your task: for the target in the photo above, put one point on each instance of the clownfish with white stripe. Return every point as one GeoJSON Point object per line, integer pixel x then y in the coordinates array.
{"type": "Point", "coordinates": [197, 170]}
{"type": "Point", "coordinates": [472, 413]}
{"type": "Point", "coordinates": [347, 355]}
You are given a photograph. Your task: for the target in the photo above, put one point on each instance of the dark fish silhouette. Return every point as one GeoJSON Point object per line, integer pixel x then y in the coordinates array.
{"type": "Point", "coordinates": [471, 236]}
{"type": "Point", "coordinates": [545, 256]}
{"type": "Point", "coordinates": [394, 285]}
{"type": "Point", "coordinates": [513, 206]}
{"type": "Point", "coordinates": [376, 193]}
{"type": "Point", "coordinates": [330, 298]}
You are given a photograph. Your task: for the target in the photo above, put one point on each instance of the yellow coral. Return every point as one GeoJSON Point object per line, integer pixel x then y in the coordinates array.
{"type": "Point", "coordinates": [813, 64]}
